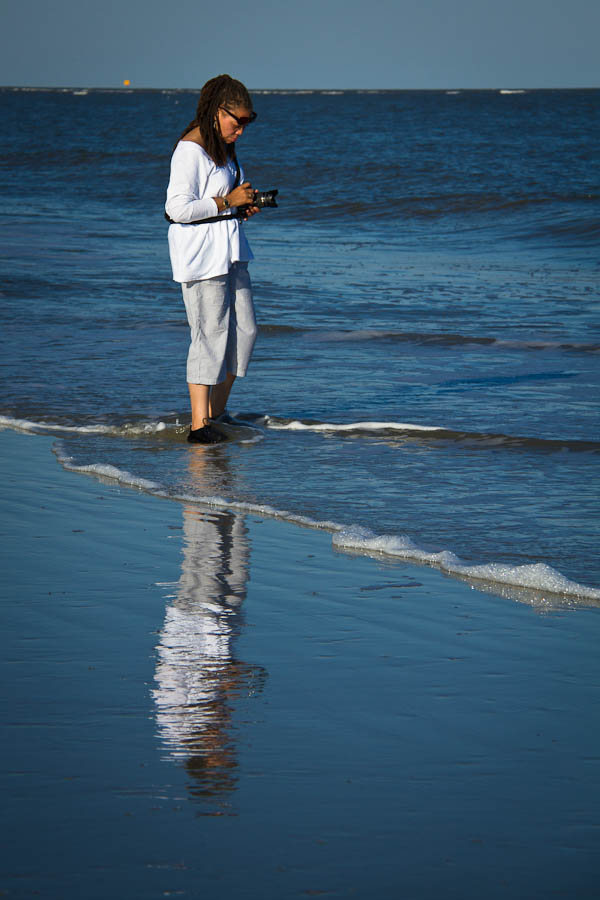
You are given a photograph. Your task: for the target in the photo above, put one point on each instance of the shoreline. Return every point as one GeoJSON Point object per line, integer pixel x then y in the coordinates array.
{"type": "Point", "coordinates": [183, 681]}
{"type": "Point", "coordinates": [535, 583]}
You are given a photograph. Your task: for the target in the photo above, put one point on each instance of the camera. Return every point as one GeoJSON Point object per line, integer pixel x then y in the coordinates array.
{"type": "Point", "coordinates": [264, 198]}
{"type": "Point", "coordinates": [261, 199]}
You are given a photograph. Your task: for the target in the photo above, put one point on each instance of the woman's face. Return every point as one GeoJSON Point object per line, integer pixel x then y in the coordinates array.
{"type": "Point", "coordinates": [231, 129]}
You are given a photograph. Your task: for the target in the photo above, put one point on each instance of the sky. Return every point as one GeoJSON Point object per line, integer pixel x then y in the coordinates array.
{"type": "Point", "coordinates": [311, 44]}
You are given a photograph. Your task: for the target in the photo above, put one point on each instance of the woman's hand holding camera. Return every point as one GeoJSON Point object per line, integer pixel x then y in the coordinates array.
{"type": "Point", "coordinates": [243, 195]}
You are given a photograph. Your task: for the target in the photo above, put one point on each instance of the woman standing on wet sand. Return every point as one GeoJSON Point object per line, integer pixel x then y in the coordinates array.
{"type": "Point", "coordinates": [210, 259]}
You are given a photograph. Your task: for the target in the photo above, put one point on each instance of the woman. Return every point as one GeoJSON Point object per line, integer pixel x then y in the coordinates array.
{"type": "Point", "coordinates": [211, 259]}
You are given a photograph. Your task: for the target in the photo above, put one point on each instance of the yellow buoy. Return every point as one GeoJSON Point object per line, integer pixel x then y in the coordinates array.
{"type": "Point", "coordinates": [126, 82]}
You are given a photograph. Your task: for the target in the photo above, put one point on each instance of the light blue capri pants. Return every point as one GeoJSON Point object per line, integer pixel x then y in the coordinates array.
{"type": "Point", "coordinates": [222, 324]}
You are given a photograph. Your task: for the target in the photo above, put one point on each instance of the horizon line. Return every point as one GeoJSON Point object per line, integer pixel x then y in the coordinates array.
{"type": "Point", "coordinates": [257, 90]}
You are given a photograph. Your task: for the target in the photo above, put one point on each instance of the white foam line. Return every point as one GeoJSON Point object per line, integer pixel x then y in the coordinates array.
{"type": "Point", "coordinates": [107, 471]}
{"type": "Point", "coordinates": [121, 476]}
{"type": "Point", "coordinates": [537, 577]}
{"type": "Point", "coordinates": [127, 429]}
{"type": "Point", "coordinates": [296, 425]}
{"type": "Point", "coordinates": [130, 429]}
{"type": "Point", "coordinates": [258, 509]}
{"type": "Point", "coordinates": [26, 425]}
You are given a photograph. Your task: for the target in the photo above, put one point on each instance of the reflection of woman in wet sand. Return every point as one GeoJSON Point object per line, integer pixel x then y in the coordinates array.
{"type": "Point", "coordinates": [196, 675]}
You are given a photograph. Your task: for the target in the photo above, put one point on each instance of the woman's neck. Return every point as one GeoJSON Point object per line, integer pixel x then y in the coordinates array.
{"type": "Point", "coordinates": [194, 135]}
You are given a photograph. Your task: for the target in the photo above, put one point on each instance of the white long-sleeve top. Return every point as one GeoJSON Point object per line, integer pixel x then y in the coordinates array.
{"type": "Point", "coordinates": [201, 251]}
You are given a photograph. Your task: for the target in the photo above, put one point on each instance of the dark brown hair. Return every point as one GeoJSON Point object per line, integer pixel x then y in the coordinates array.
{"type": "Point", "coordinates": [220, 91]}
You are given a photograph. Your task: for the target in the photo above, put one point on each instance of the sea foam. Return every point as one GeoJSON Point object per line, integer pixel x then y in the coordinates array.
{"type": "Point", "coordinates": [108, 472]}
{"type": "Point", "coordinates": [124, 430]}
{"type": "Point", "coordinates": [537, 576]}
{"type": "Point", "coordinates": [297, 425]}
{"type": "Point", "coordinates": [537, 582]}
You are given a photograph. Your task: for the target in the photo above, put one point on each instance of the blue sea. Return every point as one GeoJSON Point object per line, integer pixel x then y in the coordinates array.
{"type": "Point", "coordinates": [425, 383]}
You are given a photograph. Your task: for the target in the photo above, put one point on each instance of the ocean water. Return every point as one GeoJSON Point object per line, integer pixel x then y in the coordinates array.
{"type": "Point", "coordinates": [425, 383]}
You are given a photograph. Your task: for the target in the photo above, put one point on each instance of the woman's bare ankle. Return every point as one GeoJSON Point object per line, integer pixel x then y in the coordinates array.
{"type": "Point", "coordinates": [200, 423]}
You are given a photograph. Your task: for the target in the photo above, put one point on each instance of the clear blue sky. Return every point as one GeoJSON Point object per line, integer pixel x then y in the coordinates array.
{"type": "Point", "coordinates": [304, 44]}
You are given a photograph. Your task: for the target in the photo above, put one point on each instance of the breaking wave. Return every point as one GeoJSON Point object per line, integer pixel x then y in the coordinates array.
{"type": "Point", "coordinates": [402, 431]}
{"type": "Point", "coordinates": [537, 583]}
{"type": "Point", "coordinates": [407, 430]}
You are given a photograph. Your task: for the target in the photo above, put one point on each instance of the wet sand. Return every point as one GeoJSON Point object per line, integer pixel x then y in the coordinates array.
{"type": "Point", "coordinates": [201, 703]}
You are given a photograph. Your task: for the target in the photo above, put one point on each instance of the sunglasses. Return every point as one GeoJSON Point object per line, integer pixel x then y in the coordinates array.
{"type": "Point", "coordinates": [242, 121]}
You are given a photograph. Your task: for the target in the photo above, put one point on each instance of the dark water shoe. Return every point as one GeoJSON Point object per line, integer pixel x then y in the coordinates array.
{"type": "Point", "coordinates": [205, 435]}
